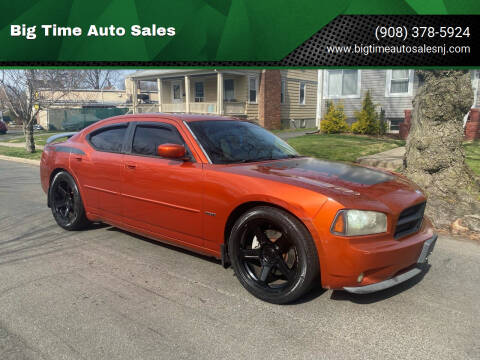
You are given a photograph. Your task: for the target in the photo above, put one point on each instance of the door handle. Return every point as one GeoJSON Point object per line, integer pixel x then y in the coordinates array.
{"type": "Point", "coordinates": [130, 165]}
{"type": "Point", "coordinates": [78, 158]}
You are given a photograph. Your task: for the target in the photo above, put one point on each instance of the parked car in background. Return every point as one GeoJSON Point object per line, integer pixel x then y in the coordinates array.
{"type": "Point", "coordinates": [38, 127]}
{"type": "Point", "coordinates": [3, 127]}
{"type": "Point", "coordinates": [230, 189]}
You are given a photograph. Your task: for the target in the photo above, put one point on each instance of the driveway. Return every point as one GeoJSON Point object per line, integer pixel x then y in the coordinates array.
{"type": "Point", "coordinates": [108, 294]}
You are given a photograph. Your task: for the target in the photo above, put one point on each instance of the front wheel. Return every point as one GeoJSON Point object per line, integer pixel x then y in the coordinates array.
{"type": "Point", "coordinates": [66, 203]}
{"type": "Point", "coordinates": [273, 255]}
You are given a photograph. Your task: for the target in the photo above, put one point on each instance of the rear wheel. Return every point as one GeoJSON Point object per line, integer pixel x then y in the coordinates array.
{"type": "Point", "coordinates": [66, 203]}
{"type": "Point", "coordinates": [273, 255]}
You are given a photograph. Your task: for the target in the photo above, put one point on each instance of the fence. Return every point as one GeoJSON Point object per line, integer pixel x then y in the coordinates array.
{"type": "Point", "coordinates": [77, 119]}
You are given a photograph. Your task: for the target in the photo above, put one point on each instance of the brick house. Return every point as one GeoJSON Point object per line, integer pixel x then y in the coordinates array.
{"type": "Point", "coordinates": [273, 98]}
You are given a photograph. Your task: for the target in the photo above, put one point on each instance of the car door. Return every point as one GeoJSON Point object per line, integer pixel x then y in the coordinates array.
{"type": "Point", "coordinates": [162, 196]}
{"type": "Point", "coordinates": [100, 171]}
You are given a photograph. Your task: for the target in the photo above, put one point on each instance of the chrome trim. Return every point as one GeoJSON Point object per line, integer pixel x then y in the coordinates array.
{"type": "Point", "coordinates": [382, 285]}
{"type": "Point", "coordinates": [198, 142]}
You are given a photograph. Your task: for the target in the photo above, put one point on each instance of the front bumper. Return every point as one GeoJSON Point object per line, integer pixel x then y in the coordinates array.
{"type": "Point", "coordinates": [382, 285]}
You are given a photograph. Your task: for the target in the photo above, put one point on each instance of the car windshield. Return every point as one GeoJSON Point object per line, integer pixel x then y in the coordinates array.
{"type": "Point", "coordinates": [227, 142]}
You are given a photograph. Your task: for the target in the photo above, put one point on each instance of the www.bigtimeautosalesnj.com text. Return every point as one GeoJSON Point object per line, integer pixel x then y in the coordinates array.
{"type": "Point", "coordinates": [53, 30]}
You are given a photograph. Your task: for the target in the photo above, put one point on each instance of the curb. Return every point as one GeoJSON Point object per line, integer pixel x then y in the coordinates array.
{"type": "Point", "coordinates": [20, 160]}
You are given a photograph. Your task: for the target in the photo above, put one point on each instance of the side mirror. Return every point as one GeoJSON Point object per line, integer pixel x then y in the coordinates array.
{"type": "Point", "coordinates": [171, 151]}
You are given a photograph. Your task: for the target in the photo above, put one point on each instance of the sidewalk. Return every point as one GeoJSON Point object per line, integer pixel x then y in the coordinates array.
{"type": "Point", "coordinates": [285, 135]}
{"type": "Point", "coordinates": [390, 159]}
{"type": "Point", "coordinates": [19, 145]}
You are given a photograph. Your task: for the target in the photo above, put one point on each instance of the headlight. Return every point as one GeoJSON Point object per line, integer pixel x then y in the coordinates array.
{"type": "Point", "coordinates": [359, 222]}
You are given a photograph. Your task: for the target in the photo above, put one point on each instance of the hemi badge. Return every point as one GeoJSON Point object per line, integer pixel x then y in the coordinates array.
{"type": "Point", "coordinates": [210, 213]}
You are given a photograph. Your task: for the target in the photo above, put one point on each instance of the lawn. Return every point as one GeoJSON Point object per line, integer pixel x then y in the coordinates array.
{"type": "Point", "coordinates": [472, 150]}
{"type": "Point", "coordinates": [19, 152]}
{"type": "Point", "coordinates": [40, 138]}
{"type": "Point", "coordinates": [342, 147]}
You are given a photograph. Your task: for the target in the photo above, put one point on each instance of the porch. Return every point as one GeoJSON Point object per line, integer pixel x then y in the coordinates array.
{"type": "Point", "coordinates": [195, 92]}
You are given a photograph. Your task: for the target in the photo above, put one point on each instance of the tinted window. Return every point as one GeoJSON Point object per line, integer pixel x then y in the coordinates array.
{"type": "Point", "coordinates": [228, 141]}
{"type": "Point", "coordinates": [110, 139]}
{"type": "Point", "coordinates": [148, 137]}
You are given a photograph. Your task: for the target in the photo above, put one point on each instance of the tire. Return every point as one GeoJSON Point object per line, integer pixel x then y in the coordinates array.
{"type": "Point", "coordinates": [66, 203]}
{"type": "Point", "coordinates": [273, 255]}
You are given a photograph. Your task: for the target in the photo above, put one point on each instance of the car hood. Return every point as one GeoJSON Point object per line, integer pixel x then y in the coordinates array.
{"type": "Point", "coordinates": [343, 182]}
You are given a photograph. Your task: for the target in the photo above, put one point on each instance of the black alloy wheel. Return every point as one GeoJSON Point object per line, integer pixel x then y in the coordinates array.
{"type": "Point", "coordinates": [273, 254]}
{"type": "Point", "coordinates": [66, 203]}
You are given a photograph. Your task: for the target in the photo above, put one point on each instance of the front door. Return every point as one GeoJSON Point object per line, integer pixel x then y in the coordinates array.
{"type": "Point", "coordinates": [162, 196]}
{"type": "Point", "coordinates": [176, 91]}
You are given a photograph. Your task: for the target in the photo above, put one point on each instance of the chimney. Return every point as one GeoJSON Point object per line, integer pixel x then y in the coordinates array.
{"type": "Point", "coordinates": [269, 99]}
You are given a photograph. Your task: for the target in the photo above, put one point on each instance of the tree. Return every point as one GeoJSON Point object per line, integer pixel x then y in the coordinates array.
{"type": "Point", "coordinates": [26, 92]}
{"type": "Point", "coordinates": [367, 119]}
{"type": "Point", "coordinates": [100, 78]}
{"type": "Point", "coordinates": [435, 157]}
{"type": "Point", "coordinates": [335, 120]}
{"type": "Point", "coordinates": [382, 122]}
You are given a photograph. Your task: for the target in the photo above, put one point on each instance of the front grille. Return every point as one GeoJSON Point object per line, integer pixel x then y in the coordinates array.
{"type": "Point", "coordinates": [410, 220]}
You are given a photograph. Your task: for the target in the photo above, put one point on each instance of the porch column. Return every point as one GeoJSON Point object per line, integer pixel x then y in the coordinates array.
{"type": "Point", "coordinates": [134, 96]}
{"type": "Point", "coordinates": [187, 94]}
{"type": "Point", "coordinates": [159, 94]}
{"type": "Point", "coordinates": [219, 93]}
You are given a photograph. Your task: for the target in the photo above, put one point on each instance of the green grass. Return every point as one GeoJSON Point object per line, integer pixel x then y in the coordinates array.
{"type": "Point", "coordinates": [40, 138]}
{"type": "Point", "coordinates": [472, 150]}
{"type": "Point", "coordinates": [19, 152]}
{"type": "Point", "coordinates": [342, 147]}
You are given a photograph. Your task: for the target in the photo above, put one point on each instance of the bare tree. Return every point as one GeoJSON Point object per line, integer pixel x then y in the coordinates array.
{"type": "Point", "coordinates": [100, 78]}
{"type": "Point", "coordinates": [435, 158]}
{"type": "Point", "coordinates": [26, 92]}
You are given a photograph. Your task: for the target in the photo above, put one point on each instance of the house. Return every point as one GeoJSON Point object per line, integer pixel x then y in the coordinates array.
{"type": "Point", "coordinates": [74, 109]}
{"type": "Point", "coordinates": [273, 98]}
{"type": "Point", "coordinates": [392, 90]}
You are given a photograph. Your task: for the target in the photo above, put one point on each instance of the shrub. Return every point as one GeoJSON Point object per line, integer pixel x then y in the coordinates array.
{"type": "Point", "coordinates": [367, 119]}
{"type": "Point", "coordinates": [382, 122]}
{"type": "Point", "coordinates": [335, 121]}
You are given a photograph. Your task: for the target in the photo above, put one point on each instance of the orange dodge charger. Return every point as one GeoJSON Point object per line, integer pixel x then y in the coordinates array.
{"type": "Point", "coordinates": [230, 189]}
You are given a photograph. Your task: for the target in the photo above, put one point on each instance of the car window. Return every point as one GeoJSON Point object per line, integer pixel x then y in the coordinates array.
{"type": "Point", "coordinates": [227, 141]}
{"type": "Point", "coordinates": [110, 139]}
{"type": "Point", "coordinates": [147, 138]}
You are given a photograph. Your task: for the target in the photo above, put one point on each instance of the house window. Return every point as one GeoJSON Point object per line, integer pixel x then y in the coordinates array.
{"type": "Point", "coordinates": [301, 99]}
{"type": "Point", "coordinates": [399, 83]}
{"type": "Point", "coordinates": [252, 89]}
{"type": "Point", "coordinates": [342, 83]}
{"type": "Point", "coordinates": [475, 85]}
{"type": "Point", "coordinates": [228, 90]}
{"type": "Point", "coordinates": [282, 92]}
{"type": "Point", "coordinates": [199, 92]}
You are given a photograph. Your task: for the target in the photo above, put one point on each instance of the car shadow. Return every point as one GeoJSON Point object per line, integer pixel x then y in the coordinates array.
{"type": "Point", "coordinates": [165, 245]}
{"type": "Point", "coordinates": [364, 299]}
{"type": "Point", "coordinates": [95, 226]}
{"type": "Point", "coordinates": [314, 293]}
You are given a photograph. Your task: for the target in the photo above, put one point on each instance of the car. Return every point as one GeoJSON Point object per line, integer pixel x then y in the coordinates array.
{"type": "Point", "coordinates": [38, 127]}
{"type": "Point", "coordinates": [3, 127]}
{"type": "Point", "coordinates": [229, 189]}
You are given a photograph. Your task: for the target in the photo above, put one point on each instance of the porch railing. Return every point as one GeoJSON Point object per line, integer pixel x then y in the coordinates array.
{"type": "Point", "coordinates": [203, 108]}
{"type": "Point", "coordinates": [234, 108]}
{"type": "Point", "coordinates": [229, 108]}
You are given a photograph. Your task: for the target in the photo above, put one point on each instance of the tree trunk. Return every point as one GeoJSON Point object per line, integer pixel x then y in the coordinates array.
{"type": "Point", "coordinates": [29, 140]}
{"type": "Point", "coordinates": [435, 157]}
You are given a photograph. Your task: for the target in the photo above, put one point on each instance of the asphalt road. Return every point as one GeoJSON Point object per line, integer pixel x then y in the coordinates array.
{"type": "Point", "coordinates": [107, 294]}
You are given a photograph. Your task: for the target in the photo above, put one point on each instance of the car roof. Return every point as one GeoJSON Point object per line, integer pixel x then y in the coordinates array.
{"type": "Point", "coordinates": [170, 116]}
